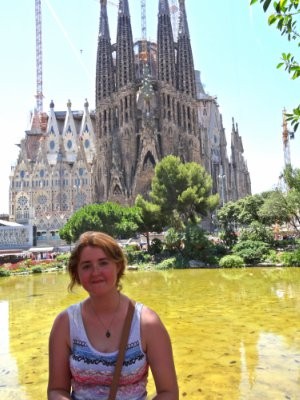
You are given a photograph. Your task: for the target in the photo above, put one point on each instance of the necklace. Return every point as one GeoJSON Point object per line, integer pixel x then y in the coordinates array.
{"type": "Point", "coordinates": [107, 329]}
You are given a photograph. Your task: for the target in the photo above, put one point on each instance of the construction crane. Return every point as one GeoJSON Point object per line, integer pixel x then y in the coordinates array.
{"type": "Point", "coordinates": [39, 57]}
{"type": "Point", "coordinates": [144, 44]}
{"type": "Point", "coordinates": [286, 136]}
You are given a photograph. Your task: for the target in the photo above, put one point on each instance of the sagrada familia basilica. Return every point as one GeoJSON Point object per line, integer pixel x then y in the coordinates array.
{"type": "Point", "coordinates": [150, 103]}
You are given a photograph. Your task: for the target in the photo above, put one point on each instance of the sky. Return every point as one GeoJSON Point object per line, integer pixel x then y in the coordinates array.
{"type": "Point", "coordinates": [233, 46]}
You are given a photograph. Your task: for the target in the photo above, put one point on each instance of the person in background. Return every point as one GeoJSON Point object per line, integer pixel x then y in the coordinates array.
{"type": "Point", "coordinates": [84, 340]}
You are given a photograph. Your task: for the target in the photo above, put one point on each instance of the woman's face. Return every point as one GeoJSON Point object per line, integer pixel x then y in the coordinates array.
{"type": "Point", "coordinates": [96, 272]}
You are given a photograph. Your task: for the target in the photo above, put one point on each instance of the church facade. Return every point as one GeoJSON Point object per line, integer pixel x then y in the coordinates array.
{"type": "Point", "coordinates": [149, 103]}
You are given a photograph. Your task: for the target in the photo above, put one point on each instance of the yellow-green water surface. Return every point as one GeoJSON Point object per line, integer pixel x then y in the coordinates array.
{"type": "Point", "coordinates": [235, 333]}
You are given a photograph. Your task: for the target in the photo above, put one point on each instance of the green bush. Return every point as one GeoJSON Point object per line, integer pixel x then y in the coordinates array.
{"type": "Point", "coordinates": [63, 257]}
{"type": "Point", "coordinates": [173, 240]}
{"type": "Point", "coordinates": [37, 269]}
{"type": "Point", "coordinates": [137, 257]}
{"type": "Point", "coordinates": [231, 261]}
{"type": "Point", "coordinates": [168, 263]}
{"type": "Point", "coordinates": [197, 246]}
{"type": "Point", "coordinates": [251, 251]}
{"type": "Point", "coordinates": [4, 272]}
{"type": "Point", "coordinates": [272, 257]}
{"type": "Point", "coordinates": [257, 232]}
{"type": "Point", "coordinates": [290, 258]}
{"type": "Point", "coordinates": [229, 237]}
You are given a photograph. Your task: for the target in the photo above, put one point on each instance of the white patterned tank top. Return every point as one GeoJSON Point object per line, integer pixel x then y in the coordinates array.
{"type": "Point", "coordinates": [92, 370]}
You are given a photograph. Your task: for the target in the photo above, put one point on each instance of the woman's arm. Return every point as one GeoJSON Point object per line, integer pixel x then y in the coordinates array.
{"type": "Point", "coordinates": [59, 383]}
{"type": "Point", "coordinates": [158, 347]}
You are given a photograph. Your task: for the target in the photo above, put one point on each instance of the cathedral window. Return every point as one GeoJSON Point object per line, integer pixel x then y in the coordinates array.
{"type": "Point", "coordinates": [42, 199]}
{"type": "Point", "coordinates": [22, 201]}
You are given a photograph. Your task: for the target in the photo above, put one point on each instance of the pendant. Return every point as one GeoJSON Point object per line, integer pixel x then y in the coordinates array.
{"type": "Point", "coordinates": [107, 333]}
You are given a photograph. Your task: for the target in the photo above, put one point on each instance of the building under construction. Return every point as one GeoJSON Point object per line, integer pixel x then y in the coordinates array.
{"type": "Point", "coordinates": [150, 103]}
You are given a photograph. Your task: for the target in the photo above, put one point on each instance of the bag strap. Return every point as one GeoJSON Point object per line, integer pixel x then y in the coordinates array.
{"type": "Point", "coordinates": [122, 348]}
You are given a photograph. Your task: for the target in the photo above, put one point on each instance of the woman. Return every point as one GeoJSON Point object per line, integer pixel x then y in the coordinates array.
{"type": "Point", "coordinates": [84, 339]}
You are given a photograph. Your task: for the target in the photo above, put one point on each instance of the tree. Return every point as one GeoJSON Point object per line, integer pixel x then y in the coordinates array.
{"type": "Point", "coordinates": [241, 212]}
{"type": "Point", "coordinates": [275, 208]}
{"type": "Point", "coordinates": [182, 191]}
{"type": "Point", "coordinates": [227, 215]}
{"type": "Point", "coordinates": [284, 16]}
{"type": "Point", "coordinates": [151, 219]}
{"type": "Point", "coordinates": [111, 218]}
{"type": "Point", "coordinates": [248, 209]}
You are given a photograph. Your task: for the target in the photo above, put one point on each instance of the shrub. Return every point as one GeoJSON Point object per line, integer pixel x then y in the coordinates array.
{"type": "Point", "coordinates": [173, 240]}
{"type": "Point", "coordinates": [231, 261]}
{"type": "Point", "coordinates": [63, 257]}
{"type": "Point", "coordinates": [37, 269]}
{"type": "Point", "coordinates": [166, 264]}
{"type": "Point", "coordinates": [137, 257]}
{"type": "Point", "coordinates": [272, 257]}
{"type": "Point", "coordinates": [4, 272]}
{"type": "Point", "coordinates": [290, 258]}
{"type": "Point", "coordinates": [257, 232]}
{"type": "Point", "coordinates": [229, 237]}
{"type": "Point", "coordinates": [197, 246]}
{"type": "Point", "coordinates": [251, 251]}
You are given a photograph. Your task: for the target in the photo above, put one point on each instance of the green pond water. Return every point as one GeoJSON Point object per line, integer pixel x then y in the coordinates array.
{"type": "Point", "coordinates": [235, 333]}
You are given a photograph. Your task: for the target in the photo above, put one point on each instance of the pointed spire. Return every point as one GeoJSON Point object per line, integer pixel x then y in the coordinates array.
{"type": "Point", "coordinates": [186, 81]}
{"type": "Point", "coordinates": [183, 25]}
{"type": "Point", "coordinates": [104, 27]}
{"type": "Point", "coordinates": [233, 123]}
{"type": "Point", "coordinates": [104, 68]}
{"type": "Point", "coordinates": [163, 8]}
{"type": "Point", "coordinates": [165, 45]}
{"type": "Point", "coordinates": [125, 70]}
{"type": "Point", "coordinates": [124, 8]}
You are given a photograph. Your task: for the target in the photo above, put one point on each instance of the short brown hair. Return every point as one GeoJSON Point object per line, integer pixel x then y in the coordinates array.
{"type": "Point", "coordinates": [96, 239]}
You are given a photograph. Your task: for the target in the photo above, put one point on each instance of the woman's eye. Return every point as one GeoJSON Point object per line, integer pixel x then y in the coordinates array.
{"type": "Point", "coordinates": [103, 263]}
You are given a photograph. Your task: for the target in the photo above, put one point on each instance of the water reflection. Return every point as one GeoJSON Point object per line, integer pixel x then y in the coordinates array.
{"type": "Point", "coordinates": [235, 333]}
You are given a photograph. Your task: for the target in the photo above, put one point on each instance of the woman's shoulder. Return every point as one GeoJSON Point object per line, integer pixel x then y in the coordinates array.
{"type": "Point", "coordinates": [149, 316]}
{"type": "Point", "coordinates": [63, 318]}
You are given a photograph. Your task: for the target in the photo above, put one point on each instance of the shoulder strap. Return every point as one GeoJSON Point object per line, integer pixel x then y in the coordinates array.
{"type": "Point", "coordinates": [122, 348]}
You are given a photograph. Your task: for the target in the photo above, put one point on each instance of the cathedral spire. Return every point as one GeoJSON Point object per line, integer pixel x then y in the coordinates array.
{"type": "Point", "coordinates": [186, 82]}
{"type": "Point", "coordinates": [163, 7]}
{"type": "Point", "coordinates": [125, 72]}
{"type": "Point", "coordinates": [124, 8]}
{"type": "Point", "coordinates": [104, 66]}
{"type": "Point", "coordinates": [183, 25]}
{"type": "Point", "coordinates": [165, 45]}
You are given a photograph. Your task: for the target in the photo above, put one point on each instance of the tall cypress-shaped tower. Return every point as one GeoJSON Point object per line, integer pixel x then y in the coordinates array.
{"type": "Point", "coordinates": [165, 46]}
{"type": "Point", "coordinates": [104, 68]}
{"type": "Point", "coordinates": [185, 63]}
